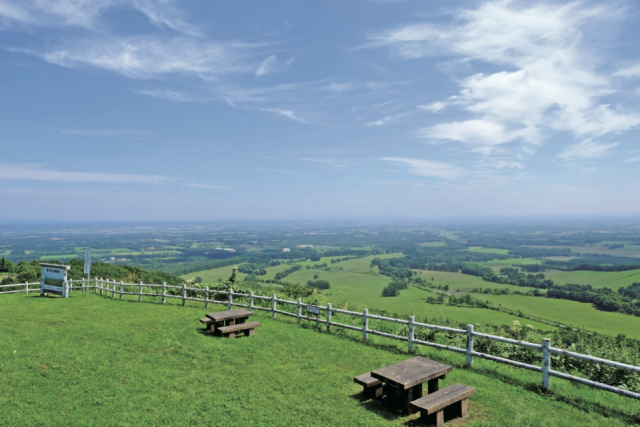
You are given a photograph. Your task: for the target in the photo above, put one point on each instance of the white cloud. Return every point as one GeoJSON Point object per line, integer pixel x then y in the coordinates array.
{"type": "Point", "coordinates": [340, 87]}
{"type": "Point", "coordinates": [164, 13]}
{"type": "Point", "coordinates": [287, 113]}
{"type": "Point", "coordinates": [549, 79]}
{"type": "Point", "coordinates": [427, 168]}
{"type": "Point", "coordinates": [586, 149]}
{"type": "Point", "coordinates": [266, 66]}
{"type": "Point", "coordinates": [386, 120]}
{"type": "Point", "coordinates": [172, 95]}
{"type": "Point", "coordinates": [85, 13]}
{"type": "Point", "coordinates": [31, 172]}
{"type": "Point", "coordinates": [632, 160]}
{"type": "Point", "coordinates": [632, 71]}
{"type": "Point", "coordinates": [10, 13]}
{"type": "Point", "coordinates": [471, 132]}
{"type": "Point", "coordinates": [149, 56]}
{"type": "Point", "coordinates": [434, 107]}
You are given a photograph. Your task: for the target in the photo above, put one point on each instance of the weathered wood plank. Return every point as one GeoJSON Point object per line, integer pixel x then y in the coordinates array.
{"type": "Point", "coordinates": [229, 314]}
{"type": "Point", "coordinates": [432, 403]}
{"type": "Point", "coordinates": [412, 372]}
{"type": "Point", "coordinates": [238, 327]}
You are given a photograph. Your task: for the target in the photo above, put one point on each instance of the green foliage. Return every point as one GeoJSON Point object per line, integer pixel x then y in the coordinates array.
{"type": "Point", "coordinates": [6, 266]}
{"type": "Point", "coordinates": [319, 284]}
{"type": "Point", "coordinates": [394, 288]}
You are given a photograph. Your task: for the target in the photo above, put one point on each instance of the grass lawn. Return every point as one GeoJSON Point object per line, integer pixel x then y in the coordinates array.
{"type": "Point", "coordinates": [88, 360]}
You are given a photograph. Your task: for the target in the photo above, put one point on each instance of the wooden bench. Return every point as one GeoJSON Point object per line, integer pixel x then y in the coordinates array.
{"type": "Point", "coordinates": [372, 387]}
{"type": "Point", "coordinates": [450, 402]}
{"type": "Point", "coordinates": [247, 328]}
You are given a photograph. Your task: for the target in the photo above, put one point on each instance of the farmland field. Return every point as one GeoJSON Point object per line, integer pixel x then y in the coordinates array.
{"type": "Point", "coordinates": [597, 279]}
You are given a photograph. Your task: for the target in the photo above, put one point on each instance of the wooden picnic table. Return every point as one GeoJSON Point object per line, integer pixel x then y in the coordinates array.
{"type": "Point", "coordinates": [404, 380]}
{"type": "Point", "coordinates": [228, 318]}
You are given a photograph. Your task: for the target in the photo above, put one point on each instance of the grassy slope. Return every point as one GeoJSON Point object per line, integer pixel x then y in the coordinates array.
{"type": "Point", "coordinates": [142, 363]}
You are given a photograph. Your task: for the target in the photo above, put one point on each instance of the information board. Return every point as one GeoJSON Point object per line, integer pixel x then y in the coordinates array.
{"type": "Point", "coordinates": [87, 262]}
{"type": "Point", "coordinates": [54, 280]}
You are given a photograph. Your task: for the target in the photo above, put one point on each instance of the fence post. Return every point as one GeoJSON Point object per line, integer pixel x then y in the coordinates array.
{"type": "Point", "coordinates": [113, 292]}
{"type": "Point", "coordinates": [206, 297]}
{"type": "Point", "coordinates": [365, 323]}
{"type": "Point", "coordinates": [299, 309]}
{"type": "Point", "coordinates": [251, 301]}
{"type": "Point", "coordinates": [184, 294]}
{"type": "Point", "coordinates": [95, 285]}
{"type": "Point", "coordinates": [70, 286]}
{"type": "Point", "coordinates": [411, 333]}
{"type": "Point", "coordinates": [83, 285]}
{"type": "Point", "coordinates": [164, 291]}
{"type": "Point", "coordinates": [101, 286]}
{"type": "Point", "coordinates": [273, 306]}
{"type": "Point", "coordinates": [328, 317]}
{"type": "Point", "coordinates": [469, 346]}
{"type": "Point", "coordinates": [26, 287]}
{"type": "Point", "coordinates": [230, 298]}
{"type": "Point", "coordinates": [546, 363]}
{"type": "Point", "coordinates": [140, 292]}
{"type": "Point", "coordinates": [121, 290]}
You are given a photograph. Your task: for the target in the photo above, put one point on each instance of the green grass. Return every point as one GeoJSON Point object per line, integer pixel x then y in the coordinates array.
{"type": "Point", "coordinates": [597, 279]}
{"type": "Point", "coordinates": [88, 360]}
{"type": "Point", "coordinates": [573, 313]}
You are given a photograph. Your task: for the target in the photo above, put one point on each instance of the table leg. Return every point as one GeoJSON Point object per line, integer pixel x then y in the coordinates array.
{"type": "Point", "coordinates": [433, 385]}
{"type": "Point", "coordinates": [408, 396]}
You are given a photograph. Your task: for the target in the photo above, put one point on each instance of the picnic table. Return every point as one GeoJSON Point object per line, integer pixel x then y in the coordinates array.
{"type": "Point", "coordinates": [221, 319]}
{"type": "Point", "coordinates": [403, 380]}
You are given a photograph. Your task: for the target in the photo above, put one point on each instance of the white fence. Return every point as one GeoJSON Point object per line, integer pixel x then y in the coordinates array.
{"type": "Point", "coordinates": [114, 289]}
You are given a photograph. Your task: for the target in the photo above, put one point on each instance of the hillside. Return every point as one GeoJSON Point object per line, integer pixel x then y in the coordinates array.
{"type": "Point", "coordinates": [90, 360]}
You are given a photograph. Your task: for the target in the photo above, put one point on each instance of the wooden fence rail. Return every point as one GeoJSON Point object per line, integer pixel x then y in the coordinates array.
{"type": "Point", "coordinates": [106, 286]}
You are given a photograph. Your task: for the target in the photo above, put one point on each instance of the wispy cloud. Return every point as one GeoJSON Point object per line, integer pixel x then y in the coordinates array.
{"type": "Point", "coordinates": [205, 186]}
{"type": "Point", "coordinates": [586, 149]}
{"type": "Point", "coordinates": [388, 119]}
{"type": "Point", "coordinates": [145, 57]}
{"type": "Point", "coordinates": [549, 80]}
{"type": "Point", "coordinates": [287, 113]}
{"type": "Point", "coordinates": [173, 95]}
{"type": "Point", "coordinates": [266, 66]}
{"type": "Point", "coordinates": [427, 168]}
{"type": "Point", "coordinates": [331, 162]}
{"type": "Point", "coordinates": [30, 172]}
{"type": "Point", "coordinates": [86, 13]}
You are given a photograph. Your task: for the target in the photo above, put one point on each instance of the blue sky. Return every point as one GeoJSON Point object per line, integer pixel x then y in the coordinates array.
{"type": "Point", "coordinates": [216, 110]}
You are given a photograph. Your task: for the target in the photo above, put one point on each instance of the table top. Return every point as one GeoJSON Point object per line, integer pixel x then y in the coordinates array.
{"type": "Point", "coordinates": [411, 372]}
{"type": "Point", "coordinates": [229, 314]}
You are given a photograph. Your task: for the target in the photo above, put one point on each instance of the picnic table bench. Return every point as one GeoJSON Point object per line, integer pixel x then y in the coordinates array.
{"type": "Point", "coordinates": [227, 323]}
{"type": "Point", "coordinates": [403, 380]}
{"type": "Point", "coordinates": [450, 402]}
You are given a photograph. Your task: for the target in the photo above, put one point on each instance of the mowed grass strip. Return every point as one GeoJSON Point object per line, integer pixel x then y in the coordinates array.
{"type": "Point", "coordinates": [89, 360]}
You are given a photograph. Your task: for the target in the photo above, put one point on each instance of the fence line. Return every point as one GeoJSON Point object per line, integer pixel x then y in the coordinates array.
{"type": "Point", "coordinates": [107, 286]}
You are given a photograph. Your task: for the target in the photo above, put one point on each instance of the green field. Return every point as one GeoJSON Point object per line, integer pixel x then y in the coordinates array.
{"type": "Point", "coordinates": [147, 364]}
{"type": "Point", "coordinates": [488, 250]}
{"type": "Point", "coordinates": [597, 279]}
{"type": "Point", "coordinates": [573, 313]}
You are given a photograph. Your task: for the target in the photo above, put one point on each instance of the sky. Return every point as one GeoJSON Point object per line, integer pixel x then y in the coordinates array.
{"type": "Point", "coordinates": [162, 110]}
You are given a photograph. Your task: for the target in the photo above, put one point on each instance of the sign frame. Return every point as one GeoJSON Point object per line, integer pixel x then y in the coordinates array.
{"type": "Point", "coordinates": [54, 279]}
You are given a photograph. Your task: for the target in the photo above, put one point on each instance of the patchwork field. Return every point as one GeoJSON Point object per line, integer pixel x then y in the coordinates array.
{"type": "Point", "coordinates": [88, 360]}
